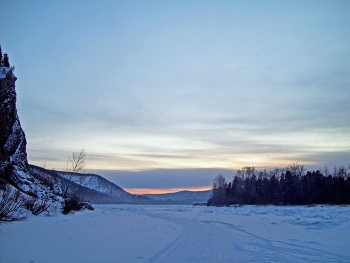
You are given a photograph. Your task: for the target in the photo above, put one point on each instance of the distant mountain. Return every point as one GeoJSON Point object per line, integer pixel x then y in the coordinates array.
{"type": "Point", "coordinates": [91, 187]}
{"type": "Point", "coordinates": [182, 197]}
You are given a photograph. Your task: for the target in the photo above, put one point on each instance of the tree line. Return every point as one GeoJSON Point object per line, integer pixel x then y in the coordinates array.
{"type": "Point", "coordinates": [292, 185]}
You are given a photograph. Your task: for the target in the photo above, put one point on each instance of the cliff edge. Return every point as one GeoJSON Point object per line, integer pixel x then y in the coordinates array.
{"type": "Point", "coordinates": [14, 168]}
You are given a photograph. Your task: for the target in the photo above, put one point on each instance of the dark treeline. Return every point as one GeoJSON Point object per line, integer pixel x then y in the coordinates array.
{"type": "Point", "coordinates": [288, 186]}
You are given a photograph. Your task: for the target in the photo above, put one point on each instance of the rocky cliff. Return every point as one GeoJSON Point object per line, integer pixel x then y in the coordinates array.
{"type": "Point", "coordinates": [13, 154]}
{"type": "Point", "coordinates": [14, 168]}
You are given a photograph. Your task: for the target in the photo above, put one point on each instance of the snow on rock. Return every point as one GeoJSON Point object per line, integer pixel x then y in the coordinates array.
{"type": "Point", "coordinates": [14, 168]}
{"type": "Point", "coordinates": [12, 138]}
{"type": "Point", "coordinates": [3, 72]}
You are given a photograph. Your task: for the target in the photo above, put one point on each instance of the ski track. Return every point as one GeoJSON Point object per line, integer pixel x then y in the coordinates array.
{"type": "Point", "coordinates": [186, 234]}
{"type": "Point", "coordinates": [216, 241]}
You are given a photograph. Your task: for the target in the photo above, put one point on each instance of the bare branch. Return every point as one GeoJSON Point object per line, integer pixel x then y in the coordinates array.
{"type": "Point", "coordinates": [11, 203]}
{"type": "Point", "coordinates": [77, 161]}
{"type": "Point", "coordinates": [75, 164]}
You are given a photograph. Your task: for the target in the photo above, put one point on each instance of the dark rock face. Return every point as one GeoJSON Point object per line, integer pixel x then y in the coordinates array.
{"type": "Point", "coordinates": [12, 138]}
{"type": "Point", "coordinates": [14, 168]}
{"type": "Point", "coordinates": [13, 155]}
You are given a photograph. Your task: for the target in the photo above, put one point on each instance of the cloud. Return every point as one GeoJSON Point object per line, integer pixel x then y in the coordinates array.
{"type": "Point", "coordinates": [163, 178]}
{"type": "Point", "coordinates": [169, 86]}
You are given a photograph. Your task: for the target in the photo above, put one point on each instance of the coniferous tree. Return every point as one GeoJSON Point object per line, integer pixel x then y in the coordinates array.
{"type": "Point", "coordinates": [0, 57]}
{"type": "Point", "coordinates": [283, 186]}
{"type": "Point", "coordinates": [5, 60]}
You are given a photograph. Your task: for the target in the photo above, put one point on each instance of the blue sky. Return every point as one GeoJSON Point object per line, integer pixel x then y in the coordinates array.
{"type": "Point", "coordinates": [186, 88]}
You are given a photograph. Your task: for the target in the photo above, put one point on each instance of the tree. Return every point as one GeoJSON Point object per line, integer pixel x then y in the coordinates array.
{"type": "Point", "coordinates": [288, 186]}
{"type": "Point", "coordinates": [11, 203]}
{"type": "Point", "coordinates": [75, 164]}
{"type": "Point", "coordinates": [219, 187]}
{"type": "Point", "coordinates": [219, 181]}
{"type": "Point", "coordinates": [38, 206]}
{"type": "Point", "coordinates": [6, 61]}
{"type": "Point", "coordinates": [0, 57]}
{"type": "Point", "coordinates": [296, 169]}
{"type": "Point", "coordinates": [249, 170]}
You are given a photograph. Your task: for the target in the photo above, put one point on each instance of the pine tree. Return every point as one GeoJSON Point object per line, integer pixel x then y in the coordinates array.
{"type": "Point", "coordinates": [0, 57]}
{"type": "Point", "coordinates": [5, 60]}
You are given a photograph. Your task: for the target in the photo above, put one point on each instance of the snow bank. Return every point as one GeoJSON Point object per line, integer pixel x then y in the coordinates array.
{"type": "Point", "coordinates": [127, 233]}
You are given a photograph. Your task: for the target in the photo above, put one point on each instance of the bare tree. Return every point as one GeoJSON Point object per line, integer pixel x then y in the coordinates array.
{"type": "Point", "coordinates": [75, 164]}
{"type": "Point", "coordinates": [248, 171]}
{"type": "Point", "coordinates": [296, 169]}
{"type": "Point", "coordinates": [219, 186]}
{"type": "Point", "coordinates": [11, 204]}
{"type": "Point", "coordinates": [219, 181]}
{"type": "Point", "coordinates": [37, 206]}
{"type": "Point", "coordinates": [326, 171]}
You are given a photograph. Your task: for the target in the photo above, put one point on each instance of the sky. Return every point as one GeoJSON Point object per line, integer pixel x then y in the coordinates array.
{"type": "Point", "coordinates": [167, 94]}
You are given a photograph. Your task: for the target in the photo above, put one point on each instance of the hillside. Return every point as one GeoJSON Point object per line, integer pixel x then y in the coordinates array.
{"type": "Point", "coordinates": [90, 187]}
{"type": "Point", "coordinates": [182, 197]}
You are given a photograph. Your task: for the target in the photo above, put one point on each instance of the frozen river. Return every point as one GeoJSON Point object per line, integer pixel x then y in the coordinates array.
{"type": "Point", "coordinates": [129, 233]}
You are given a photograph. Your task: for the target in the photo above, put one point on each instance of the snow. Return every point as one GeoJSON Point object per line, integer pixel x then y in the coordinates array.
{"type": "Point", "coordinates": [99, 184]}
{"type": "Point", "coordinates": [95, 182]}
{"type": "Point", "coordinates": [3, 72]}
{"type": "Point", "coordinates": [131, 233]}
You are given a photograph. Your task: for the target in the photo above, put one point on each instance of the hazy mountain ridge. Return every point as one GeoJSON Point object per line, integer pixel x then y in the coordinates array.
{"type": "Point", "coordinates": [97, 189]}
{"type": "Point", "coordinates": [91, 187]}
{"type": "Point", "coordinates": [183, 197]}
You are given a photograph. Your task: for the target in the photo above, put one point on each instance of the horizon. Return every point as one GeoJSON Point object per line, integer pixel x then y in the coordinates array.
{"type": "Point", "coordinates": [153, 191]}
{"type": "Point", "coordinates": [182, 180]}
{"type": "Point", "coordinates": [191, 88]}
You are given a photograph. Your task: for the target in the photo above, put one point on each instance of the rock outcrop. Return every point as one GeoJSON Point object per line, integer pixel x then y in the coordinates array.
{"type": "Point", "coordinates": [14, 168]}
{"type": "Point", "coordinates": [13, 154]}
{"type": "Point", "coordinates": [12, 139]}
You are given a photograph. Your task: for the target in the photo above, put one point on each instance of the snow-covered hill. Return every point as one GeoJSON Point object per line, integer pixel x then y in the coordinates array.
{"type": "Point", "coordinates": [90, 187]}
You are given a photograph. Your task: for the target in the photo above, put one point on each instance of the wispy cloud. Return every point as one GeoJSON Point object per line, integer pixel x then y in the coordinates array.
{"type": "Point", "coordinates": [209, 85]}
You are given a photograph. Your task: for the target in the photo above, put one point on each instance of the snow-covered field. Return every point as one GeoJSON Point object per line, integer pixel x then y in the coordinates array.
{"type": "Point", "coordinates": [130, 233]}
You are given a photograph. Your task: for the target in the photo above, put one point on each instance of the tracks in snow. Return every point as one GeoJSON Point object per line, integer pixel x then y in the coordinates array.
{"type": "Point", "coordinates": [215, 241]}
